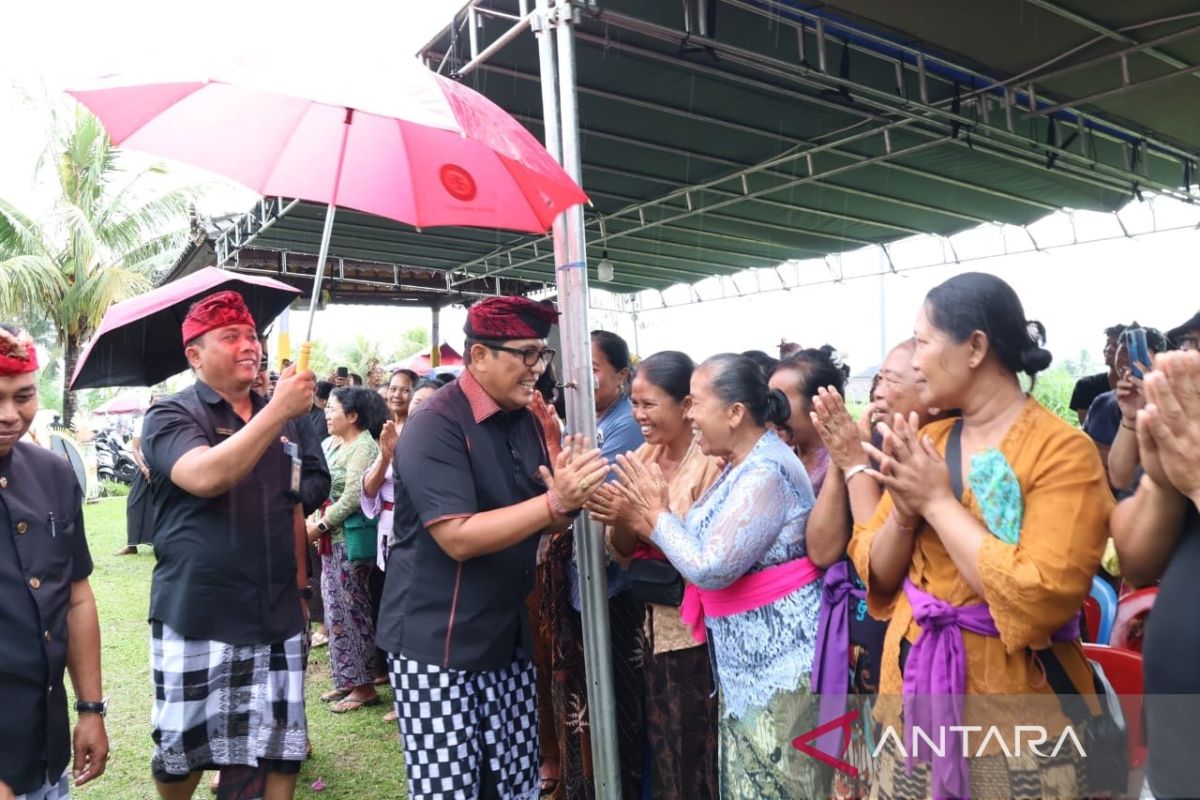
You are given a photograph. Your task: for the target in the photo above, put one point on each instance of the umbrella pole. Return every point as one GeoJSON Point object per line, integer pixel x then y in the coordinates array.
{"type": "Point", "coordinates": [570, 258]}
{"type": "Point", "coordinates": [326, 234]}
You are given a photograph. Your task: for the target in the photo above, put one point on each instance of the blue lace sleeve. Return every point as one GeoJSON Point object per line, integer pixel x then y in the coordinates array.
{"type": "Point", "coordinates": [731, 534]}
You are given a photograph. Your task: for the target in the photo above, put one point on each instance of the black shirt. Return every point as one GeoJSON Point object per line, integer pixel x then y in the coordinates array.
{"type": "Point", "coordinates": [458, 456]}
{"type": "Point", "coordinates": [43, 550]}
{"type": "Point", "coordinates": [226, 566]}
{"type": "Point", "coordinates": [1171, 655]}
{"type": "Point", "coordinates": [1088, 389]}
{"type": "Point", "coordinates": [318, 423]}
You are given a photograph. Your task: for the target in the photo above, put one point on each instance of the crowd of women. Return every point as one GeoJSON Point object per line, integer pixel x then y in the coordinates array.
{"type": "Point", "coordinates": [776, 562]}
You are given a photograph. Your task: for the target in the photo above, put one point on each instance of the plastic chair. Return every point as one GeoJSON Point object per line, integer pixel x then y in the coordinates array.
{"type": "Point", "coordinates": [1129, 625]}
{"type": "Point", "coordinates": [1105, 598]}
{"type": "Point", "coordinates": [1123, 668]}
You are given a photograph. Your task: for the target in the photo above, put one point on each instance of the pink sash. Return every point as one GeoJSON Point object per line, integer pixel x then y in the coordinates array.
{"type": "Point", "coordinates": [745, 594]}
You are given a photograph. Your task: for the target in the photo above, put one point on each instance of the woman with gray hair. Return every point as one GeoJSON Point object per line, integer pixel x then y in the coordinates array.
{"type": "Point", "coordinates": [752, 588]}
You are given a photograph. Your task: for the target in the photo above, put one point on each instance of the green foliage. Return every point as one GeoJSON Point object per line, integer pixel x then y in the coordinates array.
{"type": "Point", "coordinates": [1053, 390]}
{"type": "Point", "coordinates": [364, 355]}
{"type": "Point", "coordinates": [108, 237]}
{"type": "Point", "coordinates": [114, 489]}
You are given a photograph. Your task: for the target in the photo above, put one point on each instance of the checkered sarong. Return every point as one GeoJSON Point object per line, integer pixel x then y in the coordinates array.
{"type": "Point", "coordinates": [59, 790]}
{"type": "Point", "coordinates": [218, 704]}
{"type": "Point", "coordinates": [450, 720]}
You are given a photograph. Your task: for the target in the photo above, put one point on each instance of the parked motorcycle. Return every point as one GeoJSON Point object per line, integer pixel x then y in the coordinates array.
{"type": "Point", "coordinates": [114, 461]}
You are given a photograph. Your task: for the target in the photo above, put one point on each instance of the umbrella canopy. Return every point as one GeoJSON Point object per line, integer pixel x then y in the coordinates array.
{"type": "Point", "coordinates": [124, 403]}
{"type": "Point", "coordinates": [421, 363]}
{"type": "Point", "coordinates": [139, 341]}
{"type": "Point", "coordinates": [381, 134]}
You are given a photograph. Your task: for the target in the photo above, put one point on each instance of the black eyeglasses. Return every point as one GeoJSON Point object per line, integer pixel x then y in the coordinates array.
{"type": "Point", "coordinates": [530, 355]}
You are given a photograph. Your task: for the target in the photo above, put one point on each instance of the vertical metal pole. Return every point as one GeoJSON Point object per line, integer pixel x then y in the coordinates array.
{"type": "Point", "coordinates": [435, 350]}
{"type": "Point", "coordinates": [562, 140]}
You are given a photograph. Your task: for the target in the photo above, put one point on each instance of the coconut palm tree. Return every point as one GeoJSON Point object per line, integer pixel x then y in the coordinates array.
{"type": "Point", "coordinates": [107, 237]}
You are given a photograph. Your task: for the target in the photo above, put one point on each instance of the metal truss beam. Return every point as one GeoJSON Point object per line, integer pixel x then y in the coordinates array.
{"type": "Point", "coordinates": [918, 61]}
{"type": "Point", "coordinates": [1149, 48]}
{"type": "Point", "coordinates": [913, 113]}
{"type": "Point", "coordinates": [247, 227]}
{"type": "Point", "coordinates": [694, 208]}
{"type": "Point", "coordinates": [788, 276]}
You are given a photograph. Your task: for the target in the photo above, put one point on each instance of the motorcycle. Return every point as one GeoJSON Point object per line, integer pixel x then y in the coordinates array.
{"type": "Point", "coordinates": [114, 461]}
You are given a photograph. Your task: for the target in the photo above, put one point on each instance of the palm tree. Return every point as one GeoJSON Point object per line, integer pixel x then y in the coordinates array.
{"type": "Point", "coordinates": [107, 237]}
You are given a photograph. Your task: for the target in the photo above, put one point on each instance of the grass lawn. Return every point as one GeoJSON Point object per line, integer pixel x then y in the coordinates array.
{"type": "Point", "coordinates": [356, 755]}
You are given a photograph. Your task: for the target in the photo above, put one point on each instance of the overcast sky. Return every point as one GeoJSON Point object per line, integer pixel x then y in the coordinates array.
{"type": "Point", "coordinates": [1075, 291]}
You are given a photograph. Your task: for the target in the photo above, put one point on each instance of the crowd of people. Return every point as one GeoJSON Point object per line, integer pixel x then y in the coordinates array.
{"type": "Point", "coordinates": [776, 561]}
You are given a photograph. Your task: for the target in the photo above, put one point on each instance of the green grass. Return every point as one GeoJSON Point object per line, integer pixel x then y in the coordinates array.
{"type": "Point", "coordinates": [357, 755]}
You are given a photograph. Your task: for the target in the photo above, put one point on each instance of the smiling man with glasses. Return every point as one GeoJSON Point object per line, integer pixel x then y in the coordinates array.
{"type": "Point", "coordinates": [473, 494]}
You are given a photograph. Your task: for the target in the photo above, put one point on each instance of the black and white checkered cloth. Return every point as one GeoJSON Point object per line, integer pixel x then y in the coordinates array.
{"type": "Point", "coordinates": [59, 790]}
{"type": "Point", "coordinates": [219, 704]}
{"type": "Point", "coordinates": [451, 721]}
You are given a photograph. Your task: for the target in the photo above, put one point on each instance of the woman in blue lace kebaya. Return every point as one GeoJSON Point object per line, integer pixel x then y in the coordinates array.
{"type": "Point", "coordinates": [742, 546]}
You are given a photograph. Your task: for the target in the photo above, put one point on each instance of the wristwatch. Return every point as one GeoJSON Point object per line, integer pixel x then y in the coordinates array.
{"type": "Point", "coordinates": [100, 708]}
{"type": "Point", "coordinates": [323, 526]}
{"type": "Point", "coordinates": [306, 593]}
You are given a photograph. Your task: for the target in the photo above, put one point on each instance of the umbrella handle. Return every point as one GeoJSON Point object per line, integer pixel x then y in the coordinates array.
{"type": "Point", "coordinates": [302, 356]}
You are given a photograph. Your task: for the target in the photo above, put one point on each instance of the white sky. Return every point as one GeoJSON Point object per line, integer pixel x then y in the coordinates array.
{"type": "Point", "coordinates": [1075, 291]}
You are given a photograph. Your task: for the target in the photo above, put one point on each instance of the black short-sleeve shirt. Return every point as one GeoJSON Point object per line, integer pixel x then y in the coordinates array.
{"type": "Point", "coordinates": [458, 456]}
{"type": "Point", "coordinates": [43, 550]}
{"type": "Point", "coordinates": [226, 566]}
{"type": "Point", "coordinates": [1088, 389]}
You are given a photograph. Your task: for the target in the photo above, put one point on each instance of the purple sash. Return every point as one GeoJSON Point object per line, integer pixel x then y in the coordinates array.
{"type": "Point", "coordinates": [831, 656]}
{"type": "Point", "coordinates": [936, 672]}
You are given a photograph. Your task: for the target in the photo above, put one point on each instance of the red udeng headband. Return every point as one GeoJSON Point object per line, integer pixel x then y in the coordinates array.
{"type": "Point", "coordinates": [12, 363]}
{"type": "Point", "coordinates": [216, 311]}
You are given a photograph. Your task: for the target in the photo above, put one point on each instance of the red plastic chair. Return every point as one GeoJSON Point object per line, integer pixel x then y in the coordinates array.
{"type": "Point", "coordinates": [1123, 668]}
{"type": "Point", "coordinates": [1130, 623]}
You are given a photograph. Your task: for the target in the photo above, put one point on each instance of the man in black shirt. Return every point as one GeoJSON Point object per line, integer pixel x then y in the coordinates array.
{"type": "Point", "coordinates": [48, 619]}
{"type": "Point", "coordinates": [227, 613]}
{"type": "Point", "coordinates": [1090, 387]}
{"type": "Point", "coordinates": [471, 499]}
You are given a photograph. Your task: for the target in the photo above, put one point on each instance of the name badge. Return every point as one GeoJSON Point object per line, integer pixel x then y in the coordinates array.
{"type": "Point", "coordinates": [224, 431]}
{"type": "Point", "coordinates": [292, 450]}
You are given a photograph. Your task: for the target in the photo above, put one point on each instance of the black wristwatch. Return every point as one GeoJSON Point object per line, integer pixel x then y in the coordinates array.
{"type": "Point", "coordinates": [100, 708]}
{"type": "Point", "coordinates": [306, 593]}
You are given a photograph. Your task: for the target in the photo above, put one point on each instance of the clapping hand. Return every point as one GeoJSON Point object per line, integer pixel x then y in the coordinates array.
{"type": "Point", "coordinates": [910, 468]}
{"type": "Point", "coordinates": [837, 429]}
{"type": "Point", "coordinates": [1169, 425]}
{"type": "Point", "coordinates": [579, 471]}
{"type": "Point", "coordinates": [645, 488]}
{"type": "Point", "coordinates": [387, 441]}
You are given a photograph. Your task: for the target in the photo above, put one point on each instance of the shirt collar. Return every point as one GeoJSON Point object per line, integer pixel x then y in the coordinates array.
{"type": "Point", "coordinates": [482, 405]}
{"type": "Point", "coordinates": [209, 395]}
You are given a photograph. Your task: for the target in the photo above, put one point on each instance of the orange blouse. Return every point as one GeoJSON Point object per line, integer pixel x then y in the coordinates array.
{"type": "Point", "coordinates": [1032, 588]}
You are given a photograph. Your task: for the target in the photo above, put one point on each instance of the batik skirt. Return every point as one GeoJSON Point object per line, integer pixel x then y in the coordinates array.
{"type": "Point", "coordinates": [349, 620]}
{"type": "Point", "coordinates": [218, 704]}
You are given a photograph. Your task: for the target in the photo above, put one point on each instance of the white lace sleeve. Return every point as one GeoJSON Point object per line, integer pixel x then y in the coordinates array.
{"type": "Point", "coordinates": [734, 536]}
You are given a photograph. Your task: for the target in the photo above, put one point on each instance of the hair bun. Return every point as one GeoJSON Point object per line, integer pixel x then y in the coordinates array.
{"type": "Point", "coordinates": [1035, 359]}
{"type": "Point", "coordinates": [779, 410]}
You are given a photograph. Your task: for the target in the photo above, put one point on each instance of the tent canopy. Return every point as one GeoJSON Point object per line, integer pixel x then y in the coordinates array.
{"type": "Point", "coordinates": [720, 135]}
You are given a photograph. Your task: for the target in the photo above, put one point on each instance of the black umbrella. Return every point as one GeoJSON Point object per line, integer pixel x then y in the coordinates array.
{"type": "Point", "coordinates": [138, 342]}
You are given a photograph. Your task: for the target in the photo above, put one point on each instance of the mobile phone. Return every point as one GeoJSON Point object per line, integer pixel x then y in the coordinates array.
{"type": "Point", "coordinates": [1139, 351]}
{"type": "Point", "coordinates": [343, 372]}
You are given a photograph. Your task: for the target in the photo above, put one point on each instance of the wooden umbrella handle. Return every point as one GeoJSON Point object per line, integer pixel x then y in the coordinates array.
{"type": "Point", "coordinates": [302, 356]}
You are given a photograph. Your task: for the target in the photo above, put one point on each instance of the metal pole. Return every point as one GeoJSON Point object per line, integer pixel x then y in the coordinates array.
{"type": "Point", "coordinates": [326, 234]}
{"type": "Point", "coordinates": [435, 350]}
{"type": "Point", "coordinates": [562, 126]}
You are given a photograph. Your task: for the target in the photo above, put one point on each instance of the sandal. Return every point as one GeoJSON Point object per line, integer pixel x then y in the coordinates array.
{"type": "Point", "coordinates": [391, 716]}
{"type": "Point", "coordinates": [318, 639]}
{"type": "Point", "coordinates": [348, 705]}
{"type": "Point", "coordinates": [336, 695]}
{"type": "Point", "coordinates": [549, 786]}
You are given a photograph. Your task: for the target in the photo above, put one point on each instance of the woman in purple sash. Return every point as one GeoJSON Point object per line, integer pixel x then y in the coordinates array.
{"type": "Point", "coordinates": [982, 573]}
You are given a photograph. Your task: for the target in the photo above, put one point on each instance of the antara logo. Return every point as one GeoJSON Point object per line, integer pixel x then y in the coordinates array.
{"type": "Point", "coordinates": [1025, 738]}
